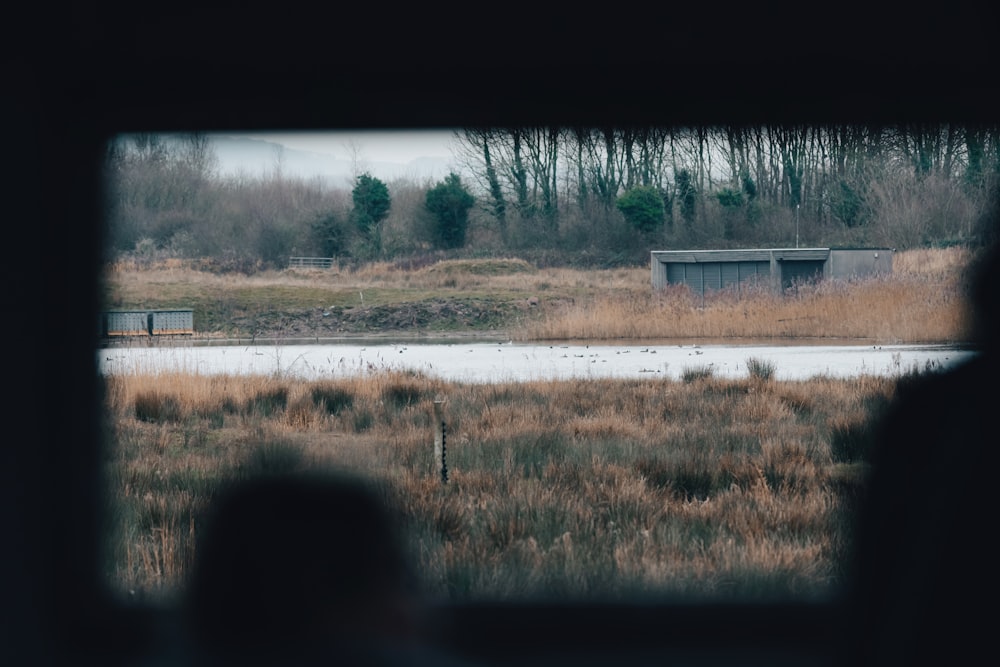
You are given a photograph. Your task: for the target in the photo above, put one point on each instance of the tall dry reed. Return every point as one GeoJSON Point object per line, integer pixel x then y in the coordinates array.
{"type": "Point", "coordinates": [596, 489]}
{"type": "Point", "coordinates": [891, 310]}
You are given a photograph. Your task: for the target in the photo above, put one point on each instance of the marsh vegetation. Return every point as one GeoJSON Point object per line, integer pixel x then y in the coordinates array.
{"type": "Point", "coordinates": [923, 301]}
{"type": "Point", "coordinates": [697, 487]}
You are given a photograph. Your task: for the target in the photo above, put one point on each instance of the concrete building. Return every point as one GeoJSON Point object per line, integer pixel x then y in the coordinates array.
{"type": "Point", "coordinates": [775, 268]}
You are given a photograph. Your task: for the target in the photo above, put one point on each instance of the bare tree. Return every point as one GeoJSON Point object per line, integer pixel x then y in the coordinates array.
{"type": "Point", "coordinates": [358, 165]}
{"type": "Point", "coordinates": [476, 148]}
{"type": "Point", "coordinates": [542, 147]}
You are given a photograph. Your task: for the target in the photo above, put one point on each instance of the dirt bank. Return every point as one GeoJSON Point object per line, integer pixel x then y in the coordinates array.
{"type": "Point", "coordinates": [439, 318]}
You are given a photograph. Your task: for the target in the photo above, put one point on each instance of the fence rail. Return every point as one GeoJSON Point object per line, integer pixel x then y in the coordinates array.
{"type": "Point", "coordinates": [310, 262]}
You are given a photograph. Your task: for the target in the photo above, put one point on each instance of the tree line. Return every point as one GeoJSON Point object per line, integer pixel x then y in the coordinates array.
{"type": "Point", "coordinates": [165, 197]}
{"type": "Point", "coordinates": [597, 196]}
{"type": "Point", "coordinates": [725, 186]}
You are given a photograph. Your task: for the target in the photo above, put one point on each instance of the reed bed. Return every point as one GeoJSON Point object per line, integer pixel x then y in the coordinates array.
{"type": "Point", "coordinates": [922, 301]}
{"type": "Point", "coordinates": [891, 310]}
{"type": "Point", "coordinates": [937, 263]}
{"type": "Point", "coordinates": [604, 489]}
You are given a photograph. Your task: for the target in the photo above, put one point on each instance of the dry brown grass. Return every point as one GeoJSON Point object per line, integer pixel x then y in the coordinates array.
{"type": "Point", "coordinates": [505, 274]}
{"type": "Point", "coordinates": [602, 488]}
{"type": "Point", "coordinates": [935, 263]}
{"type": "Point", "coordinates": [889, 310]}
{"type": "Point", "coordinates": [923, 301]}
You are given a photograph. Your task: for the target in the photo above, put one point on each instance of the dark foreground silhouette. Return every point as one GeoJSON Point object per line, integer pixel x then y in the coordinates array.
{"type": "Point", "coordinates": [925, 561]}
{"type": "Point", "coordinates": [304, 569]}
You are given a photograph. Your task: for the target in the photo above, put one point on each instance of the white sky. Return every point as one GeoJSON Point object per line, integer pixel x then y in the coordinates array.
{"type": "Point", "coordinates": [374, 146]}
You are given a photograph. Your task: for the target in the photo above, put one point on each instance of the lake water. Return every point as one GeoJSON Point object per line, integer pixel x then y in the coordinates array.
{"type": "Point", "coordinates": [498, 362]}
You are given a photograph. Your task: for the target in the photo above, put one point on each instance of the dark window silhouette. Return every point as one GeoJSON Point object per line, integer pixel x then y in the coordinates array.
{"type": "Point", "coordinates": [925, 561]}
{"type": "Point", "coordinates": [302, 567]}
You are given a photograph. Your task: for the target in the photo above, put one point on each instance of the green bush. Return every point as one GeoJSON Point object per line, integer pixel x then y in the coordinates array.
{"type": "Point", "coordinates": [642, 208]}
{"type": "Point", "coordinates": [449, 202]}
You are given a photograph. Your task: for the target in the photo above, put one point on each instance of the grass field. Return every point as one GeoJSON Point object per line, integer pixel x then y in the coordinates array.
{"type": "Point", "coordinates": [700, 486]}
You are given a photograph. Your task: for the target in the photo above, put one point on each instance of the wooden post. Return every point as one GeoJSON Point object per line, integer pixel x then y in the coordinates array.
{"type": "Point", "coordinates": [439, 440]}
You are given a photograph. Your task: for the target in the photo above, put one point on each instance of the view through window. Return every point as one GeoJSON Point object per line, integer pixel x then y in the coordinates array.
{"type": "Point", "coordinates": [469, 320]}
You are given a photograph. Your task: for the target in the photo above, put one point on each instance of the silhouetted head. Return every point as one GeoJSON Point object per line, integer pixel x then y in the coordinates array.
{"type": "Point", "coordinates": [296, 561]}
{"type": "Point", "coordinates": [984, 297]}
{"type": "Point", "coordinates": [920, 573]}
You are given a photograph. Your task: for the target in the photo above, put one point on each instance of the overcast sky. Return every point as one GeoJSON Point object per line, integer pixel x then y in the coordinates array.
{"type": "Point", "coordinates": [376, 146]}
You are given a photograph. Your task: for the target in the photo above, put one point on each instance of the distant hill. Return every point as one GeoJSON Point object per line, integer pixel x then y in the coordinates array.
{"type": "Point", "coordinates": [257, 157]}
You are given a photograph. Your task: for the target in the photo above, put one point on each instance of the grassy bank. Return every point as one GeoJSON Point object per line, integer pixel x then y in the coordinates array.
{"type": "Point", "coordinates": [700, 486]}
{"type": "Point", "coordinates": [921, 302]}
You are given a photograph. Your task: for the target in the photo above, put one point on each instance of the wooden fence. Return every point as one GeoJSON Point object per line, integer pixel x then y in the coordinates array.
{"type": "Point", "coordinates": [310, 262]}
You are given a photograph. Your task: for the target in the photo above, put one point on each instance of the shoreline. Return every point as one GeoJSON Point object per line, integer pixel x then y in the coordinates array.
{"type": "Point", "coordinates": [499, 336]}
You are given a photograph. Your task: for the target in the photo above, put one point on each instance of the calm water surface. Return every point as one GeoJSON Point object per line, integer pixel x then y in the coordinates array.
{"type": "Point", "coordinates": [498, 362]}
